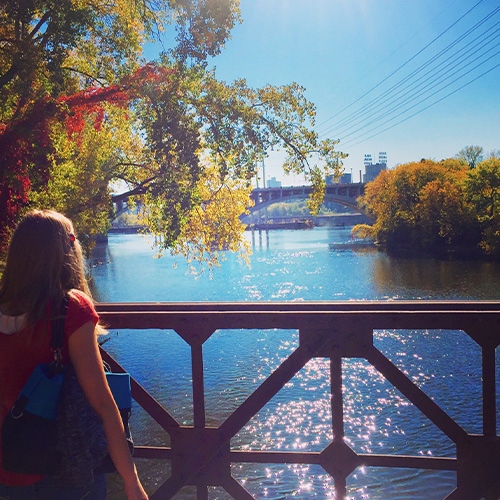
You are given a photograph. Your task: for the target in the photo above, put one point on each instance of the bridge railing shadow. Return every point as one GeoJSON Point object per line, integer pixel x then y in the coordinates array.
{"type": "Point", "coordinates": [202, 456]}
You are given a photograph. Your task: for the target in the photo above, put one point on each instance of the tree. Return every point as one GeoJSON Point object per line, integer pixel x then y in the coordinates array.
{"type": "Point", "coordinates": [483, 191]}
{"type": "Point", "coordinates": [32, 153]}
{"type": "Point", "coordinates": [52, 49]}
{"type": "Point", "coordinates": [419, 206]}
{"type": "Point", "coordinates": [79, 182]}
{"type": "Point", "coordinates": [79, 113]}
{"type": "Point", "coordinates": [446, 219]}
{"type": "Point", "coordinates": [471, 155]}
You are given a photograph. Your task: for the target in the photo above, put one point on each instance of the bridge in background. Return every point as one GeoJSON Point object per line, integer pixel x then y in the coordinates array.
{"type": "Point", "coordinates": [344, 194]}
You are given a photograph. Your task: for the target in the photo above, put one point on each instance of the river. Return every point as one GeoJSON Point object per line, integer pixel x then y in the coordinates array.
{"type": "Point", "coordinates": [299, 266]}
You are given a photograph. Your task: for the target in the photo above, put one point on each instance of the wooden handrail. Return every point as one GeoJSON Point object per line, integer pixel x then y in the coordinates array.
{"type": "Point", "coordinates": [201, 456]}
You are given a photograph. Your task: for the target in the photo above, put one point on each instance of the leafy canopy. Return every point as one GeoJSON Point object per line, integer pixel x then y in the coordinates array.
{"type": "Point", "coordinates": [81, 112]}
{"type": "Point", "coordinates": [436, 207]}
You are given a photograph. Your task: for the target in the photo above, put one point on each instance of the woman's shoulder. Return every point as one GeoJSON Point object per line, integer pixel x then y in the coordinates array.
{"type": "Point", "coordinates": [80, 298]}
{"type": "Point", "coordinates": [80, 310]}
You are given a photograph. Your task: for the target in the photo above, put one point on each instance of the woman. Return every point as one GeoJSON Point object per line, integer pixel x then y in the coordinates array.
{"type": "Point", "coordinates": [44, 264]}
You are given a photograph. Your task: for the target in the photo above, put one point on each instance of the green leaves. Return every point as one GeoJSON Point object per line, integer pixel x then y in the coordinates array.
{"type": "Point", "coordinates": [203, 27]}
{"type": "Point", "coordinates": [483, 191]}
{"type": "Point", "coordinates": [81, 113]}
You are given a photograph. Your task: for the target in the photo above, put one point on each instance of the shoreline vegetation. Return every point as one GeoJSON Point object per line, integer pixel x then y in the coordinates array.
{"type": "Point", "coordinates": [445, 209]}
{"type": "Point", "coordinates": [354, 244]}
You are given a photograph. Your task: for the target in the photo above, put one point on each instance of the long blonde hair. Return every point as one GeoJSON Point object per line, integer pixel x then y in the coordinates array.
{"type": "Point", "coordinates": [44, 262]}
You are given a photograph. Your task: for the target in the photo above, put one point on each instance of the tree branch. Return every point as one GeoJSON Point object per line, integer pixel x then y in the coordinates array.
{"type": "Point", "coordinates": [139, 189]}
{"type": "Point", "coordinates": [290, 144]}
{"type": "Point", "coordinates": [74, 70]}
{"type": "Point", "coordinates": [40, 23]}
{"type": "Point", "coordinates": [9, 75]}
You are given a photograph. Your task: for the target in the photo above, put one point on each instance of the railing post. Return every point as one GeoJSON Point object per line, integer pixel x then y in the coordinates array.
{"type": "Point", "coordinates": [336, 397]}
{"type": "Point", "coordinates": [489, 392]}
{"type": "Point", "coordinates": [337, 403]}
{"type": "Point", "coordinates": [198, 386]}
{"type": "Point", "coordinates": [488, 339]}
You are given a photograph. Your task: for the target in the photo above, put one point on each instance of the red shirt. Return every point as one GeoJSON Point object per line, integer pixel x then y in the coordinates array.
{"type": "Point", "coordinates": [20, 352]}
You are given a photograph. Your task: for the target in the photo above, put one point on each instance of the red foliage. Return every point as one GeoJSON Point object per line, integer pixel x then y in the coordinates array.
{"type": "Point", "coordinates": [90, 103]}
{"type": "Point", "coordinates": [149, 74]}
{"type": "Point", "coordinates": [26, 150]}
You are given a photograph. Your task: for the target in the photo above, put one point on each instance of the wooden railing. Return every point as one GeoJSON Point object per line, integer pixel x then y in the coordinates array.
{"type": "Point", "coordinates": [201, 456]}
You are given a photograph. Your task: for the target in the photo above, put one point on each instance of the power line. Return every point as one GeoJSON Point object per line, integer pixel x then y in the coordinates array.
{"type": "Point", "coordinates": [430, 80]}
{"type": "Point", "coordinates": [428, 106]}
{"type": "Point", "coordinates": [407, 62]}
{"type": "Point", "coordinates": [360, 115]}
{"type": "Point", "coordinates": [388, 57]}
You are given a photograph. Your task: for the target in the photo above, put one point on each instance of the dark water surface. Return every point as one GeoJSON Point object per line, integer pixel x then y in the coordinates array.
{"type": "Point", "coordinates": [299, 266]}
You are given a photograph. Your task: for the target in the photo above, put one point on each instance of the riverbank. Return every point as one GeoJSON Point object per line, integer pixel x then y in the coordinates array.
{"type": "Point", "coordinates": [353, 245]}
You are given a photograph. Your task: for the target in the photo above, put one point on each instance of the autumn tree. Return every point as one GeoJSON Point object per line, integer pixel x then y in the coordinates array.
{"type": "Point", "coordinates": [52, 50]}
{"type": "Point", "coordinates": [80, 112]}
{"type": "Point", "coordinates": [446, 219]}
{"type": "Point", "coordinates": [483, 192]}
{"type": "Point", "coordinates": [420, 206]}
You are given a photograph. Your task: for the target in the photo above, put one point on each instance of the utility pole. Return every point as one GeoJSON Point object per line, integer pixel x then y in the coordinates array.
{"type": "Point", "coordinates": [264, 186]}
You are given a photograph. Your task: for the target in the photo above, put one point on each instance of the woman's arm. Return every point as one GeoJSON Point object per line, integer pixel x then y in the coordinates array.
{"type": "Point", "coordinates": [87, 361]}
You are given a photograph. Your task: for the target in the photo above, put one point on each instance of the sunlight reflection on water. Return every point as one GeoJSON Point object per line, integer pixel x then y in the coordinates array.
{"type": "Point", "coordinates": [378, 419]}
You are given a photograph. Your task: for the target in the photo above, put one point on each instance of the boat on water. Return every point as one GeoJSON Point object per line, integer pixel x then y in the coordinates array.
{"type": "Point", "coordinates": [352, 244]}
{"type": "Point", "coordinates": [293, 224]}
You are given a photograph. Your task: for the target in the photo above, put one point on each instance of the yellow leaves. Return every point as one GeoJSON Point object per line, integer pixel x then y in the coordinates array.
{"type": "Point", "coordinates": [79, 183]}
{"type": "Point", "coordinates": [319, 184]}
{"type": "Point", "coordinates": [483, 192]}
{"type": "Point", "coordinates": [214, 226]}
{"type": "Point", "coordinates": [112, 43]}
{"type": "Point", "coordinates": [421, 206]}
{"type": "Point", "coordinates": [363, 231]}
{"type": "Point", "coordinates": [441, 206]}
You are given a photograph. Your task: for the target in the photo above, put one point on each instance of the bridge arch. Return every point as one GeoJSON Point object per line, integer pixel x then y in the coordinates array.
{"type": "Point", "coordinates": [343, 194]}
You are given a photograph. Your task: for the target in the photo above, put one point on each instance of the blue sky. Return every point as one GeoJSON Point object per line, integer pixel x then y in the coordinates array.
{"type": "Point", "coordinates": [397, 52]}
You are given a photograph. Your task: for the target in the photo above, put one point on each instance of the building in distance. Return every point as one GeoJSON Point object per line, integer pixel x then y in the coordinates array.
{"type": "Point", "coordinates": [273, 183]}
{"type": "Point", "coordinates": [373, 169]}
